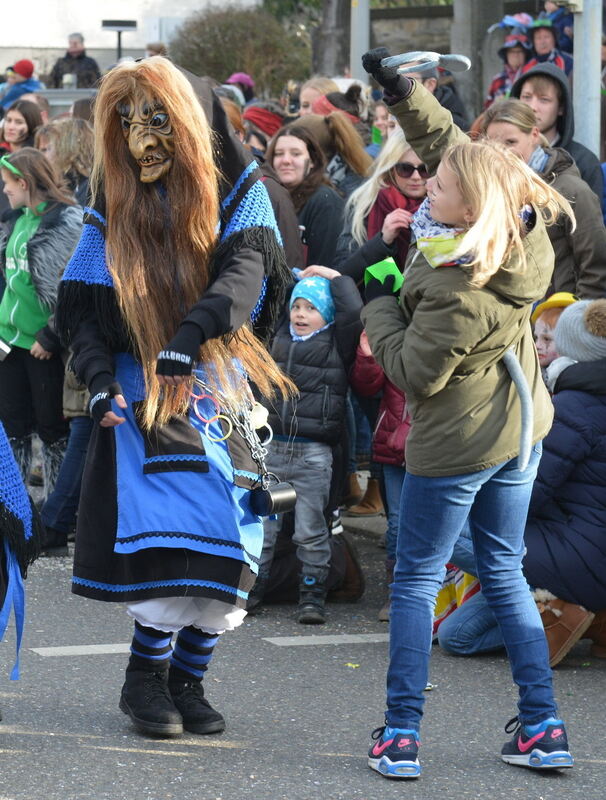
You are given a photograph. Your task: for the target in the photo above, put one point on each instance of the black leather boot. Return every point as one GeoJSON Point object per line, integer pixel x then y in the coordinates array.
{"type": "Point", "coordinates": [197, 713]}
{"type": "Point", "coordinates": [147, 701]}
{"type": "Point", "coordinates": [312, 593]}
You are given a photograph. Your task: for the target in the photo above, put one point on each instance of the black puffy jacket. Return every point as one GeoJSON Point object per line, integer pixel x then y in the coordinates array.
{"type": "Point", "coordinates": [319, 368]}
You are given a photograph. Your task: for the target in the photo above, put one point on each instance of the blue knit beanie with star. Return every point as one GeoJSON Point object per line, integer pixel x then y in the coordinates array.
{"type": "Point", "coordinates": [316, 291]}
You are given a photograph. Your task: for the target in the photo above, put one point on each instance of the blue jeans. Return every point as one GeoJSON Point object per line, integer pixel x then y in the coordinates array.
{"type": "Point", "coordinates": [495, 502]}
{"type": "Point", "coordinates": [59, 510]}
{"type": "Point", "coordinates": [471, 628]}
{"type": "Point", "coordinates": [393, 478]}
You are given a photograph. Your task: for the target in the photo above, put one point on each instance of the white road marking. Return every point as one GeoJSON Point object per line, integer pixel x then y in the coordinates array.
{"type": "Point", "coordinates": [82, 650]}
{"type": "Point", "coordinates": [342, 638]}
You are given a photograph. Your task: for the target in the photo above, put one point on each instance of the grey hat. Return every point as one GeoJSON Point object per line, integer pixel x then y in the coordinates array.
{"type": "Point", "coordinates": [581, 331]}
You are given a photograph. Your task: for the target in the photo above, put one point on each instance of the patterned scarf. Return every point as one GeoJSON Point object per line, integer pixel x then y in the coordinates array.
{"type": "Point", "coordinates": [437, 242]}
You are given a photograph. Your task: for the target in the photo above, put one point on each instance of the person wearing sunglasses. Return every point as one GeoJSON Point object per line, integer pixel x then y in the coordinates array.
{"type": "Point", "coordinates": [378, 213]}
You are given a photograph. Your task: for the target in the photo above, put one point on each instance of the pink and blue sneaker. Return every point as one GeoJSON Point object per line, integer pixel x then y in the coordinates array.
{"type": "Point", "coordinates": [541, 746]}
{"type": "Point", "coordinates": [394, 753]}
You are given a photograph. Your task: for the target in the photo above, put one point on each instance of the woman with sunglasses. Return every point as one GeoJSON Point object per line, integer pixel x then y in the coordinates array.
{"type": "Point", "coordinates": [378, 213]}
{"type": "Point", "coordinates": [42, 232]}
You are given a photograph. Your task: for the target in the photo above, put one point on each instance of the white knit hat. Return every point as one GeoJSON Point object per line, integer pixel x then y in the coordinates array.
{"type": "Point", "coordinates": [581, 331]}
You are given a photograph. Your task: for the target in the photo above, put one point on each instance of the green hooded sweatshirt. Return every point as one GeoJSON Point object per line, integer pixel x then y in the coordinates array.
{"type": "Point", "coordinates": [22, 314]}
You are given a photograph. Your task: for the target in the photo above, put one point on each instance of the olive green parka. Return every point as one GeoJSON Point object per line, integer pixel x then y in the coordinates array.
{"type": "Point", "coordinates": [443, 343]}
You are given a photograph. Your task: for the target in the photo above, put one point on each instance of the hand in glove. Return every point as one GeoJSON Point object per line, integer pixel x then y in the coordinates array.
{"type": "Point", "coordinates": [374, 288]}
{"type": "Point", "coordinates": [180, 355]}
{"type": "Point", "coordinates": [102, 389]}
{"type": "Point", "coordinates": [396, 86]}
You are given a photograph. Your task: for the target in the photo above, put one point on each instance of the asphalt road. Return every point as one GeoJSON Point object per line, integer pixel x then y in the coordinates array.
{"type": "Point", "coordinates": [298, 717]}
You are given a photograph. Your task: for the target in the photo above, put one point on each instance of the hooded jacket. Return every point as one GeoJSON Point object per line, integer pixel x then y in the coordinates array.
{"type": "Point", "coordinates": [565, 533]}
{"type": "Point", "coordinates": [586, 161]}
{"type": "Point", "coordinates": [444, 342]}
{"type": "Point", "coordinates": [580, 255]}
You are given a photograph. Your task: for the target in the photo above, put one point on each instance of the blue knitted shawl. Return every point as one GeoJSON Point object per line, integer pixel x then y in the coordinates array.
{"type": "Point", "coordinates": [20, 534]}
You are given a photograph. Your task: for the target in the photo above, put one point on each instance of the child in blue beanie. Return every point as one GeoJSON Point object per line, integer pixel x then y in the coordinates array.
{"type": "Point", "coordinates": [315, 345]}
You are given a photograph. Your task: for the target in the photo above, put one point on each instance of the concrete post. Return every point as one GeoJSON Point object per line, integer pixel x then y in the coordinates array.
{"type": "Point", "coordinates": [359, 37]}
{"type": "Point", "coordinates": [472, 18]}
{"type": "Point", "coordinates": [586, 74]}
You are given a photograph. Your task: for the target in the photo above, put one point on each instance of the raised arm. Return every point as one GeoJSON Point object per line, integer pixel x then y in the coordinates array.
{"type": "Point", "coordinates": [428, 126]}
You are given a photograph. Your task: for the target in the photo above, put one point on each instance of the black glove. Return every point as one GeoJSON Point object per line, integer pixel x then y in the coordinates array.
{"type": "Point", "coordinates": [395, 85]}
{"type": "Point", "coordinates": [181, 353]}
{"type": "Point", "coordinates": [102, 388]}
{"type": "Point", "coordinates": [374, 288]}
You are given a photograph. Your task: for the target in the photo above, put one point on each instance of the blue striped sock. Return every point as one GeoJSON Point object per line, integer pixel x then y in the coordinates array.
{"type": "Point", "coordinates": [192, 654]}
{"type": "Point", "coordinates": [150, 649]}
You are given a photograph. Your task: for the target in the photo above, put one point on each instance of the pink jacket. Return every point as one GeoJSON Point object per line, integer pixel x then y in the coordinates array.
{"type": "Point", "coordinates": [393, 424]}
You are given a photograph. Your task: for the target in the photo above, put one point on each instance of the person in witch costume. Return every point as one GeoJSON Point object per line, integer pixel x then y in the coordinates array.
{"type": "Point", "coordinates": [179, 254]}
{"type": "Point", "coordinates": [20, 536]}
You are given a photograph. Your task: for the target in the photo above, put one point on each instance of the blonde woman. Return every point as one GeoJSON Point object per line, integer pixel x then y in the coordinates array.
{"type": "Point", "coordinates": [378, 214]}
{"type": "Point", "coordinates": [316, 86]}
{"type": "Point", "coordinates": [481, 258]}
{"type": "Point", "coordinates": [579, 252]}
{"type": "Point", "coordinates": [68, 144]}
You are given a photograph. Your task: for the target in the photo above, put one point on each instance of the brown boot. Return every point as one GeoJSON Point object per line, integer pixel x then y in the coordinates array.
{"type": "Point", "coordinates": [371, 504]}
{"type": "Point", "coordinates": [597, 633]}
{"type": "Point", "coordinates": [353, 493]}
{"type": "Point", "coordinates": [352, 587]}
{"type": "Point", "coordinates": [564, 623]}
{"type": "Point", "coordinates": [389, 568]}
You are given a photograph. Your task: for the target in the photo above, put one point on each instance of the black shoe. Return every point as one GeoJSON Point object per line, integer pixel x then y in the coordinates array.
{"type": "Point", "coordinates": [54, 543]}
{"type": "Point", "coordinates": [147, 701]}
{"type": "Point", "coordinates": [197, 713]}
{"type": "Point", "coordinates": [311, 614]}
{"type": "Point", "coordinates": [312, 593]}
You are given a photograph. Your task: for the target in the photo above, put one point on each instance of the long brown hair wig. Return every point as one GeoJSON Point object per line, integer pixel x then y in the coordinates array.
{"type": "Point", "coordinates": [159, 250]}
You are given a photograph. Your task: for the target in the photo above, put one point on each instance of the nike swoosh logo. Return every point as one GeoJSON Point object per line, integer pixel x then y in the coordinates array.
{"type": "Point", "coordinates": [524, 746]}
{"type": "Point", "coordinates": [378, 748]}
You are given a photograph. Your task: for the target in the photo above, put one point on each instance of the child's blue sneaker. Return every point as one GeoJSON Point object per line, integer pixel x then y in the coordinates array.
{"type": "Point", "coordinates": [541, 746]}
{"type": "Point", "coordinates": [394, 753]}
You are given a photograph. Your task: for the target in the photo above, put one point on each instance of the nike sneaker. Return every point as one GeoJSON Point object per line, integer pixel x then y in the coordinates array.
{"type": "Point", "coordinates": [394, 753]}
{"type": "Point", "coordinates": [541, 746]}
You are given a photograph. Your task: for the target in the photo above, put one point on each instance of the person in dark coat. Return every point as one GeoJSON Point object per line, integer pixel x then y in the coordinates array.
{"type": "Point", "coordinates": [75, 62]}
{"type": "Point", "coordinates": [298, 160]}
{"type": "Point", "coordinates": [315, 346]}
{"type": "Point", "coordinates": [546, 90]}
{"type": "Point", "coordinates": [566, 529]}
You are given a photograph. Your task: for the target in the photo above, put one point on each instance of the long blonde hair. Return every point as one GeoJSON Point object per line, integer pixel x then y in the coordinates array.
{"type": "Point", "coordinates": [496, 184]}
{"type": "Point", "coordinates": [73, 141]}
{"type": "Point", "coordinates": [321, 83]}
{"type": "Point", "coordinates": [159, 253]}
{"type": "Point", "coordinates": [363, 198]}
